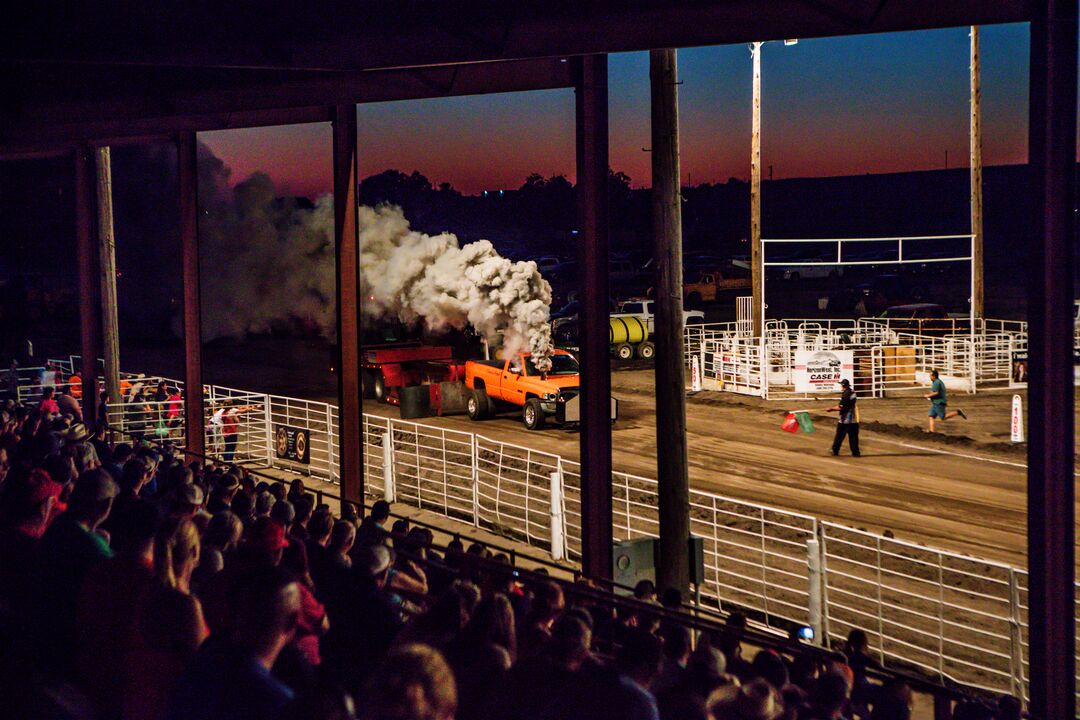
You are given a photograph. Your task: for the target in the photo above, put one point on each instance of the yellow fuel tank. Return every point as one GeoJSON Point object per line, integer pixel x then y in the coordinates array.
{"type": "Point", "coordinates": [627, 330]}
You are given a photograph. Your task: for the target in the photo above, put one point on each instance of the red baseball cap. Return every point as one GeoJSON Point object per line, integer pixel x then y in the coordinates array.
{"type": "Point", "coordinates": [269, 534]}
{"type": "Point", "coordinates": [34, 488]}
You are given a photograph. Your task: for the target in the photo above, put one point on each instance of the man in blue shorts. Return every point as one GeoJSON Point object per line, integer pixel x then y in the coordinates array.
{"type": "Point", "coordinates": [939, 401]}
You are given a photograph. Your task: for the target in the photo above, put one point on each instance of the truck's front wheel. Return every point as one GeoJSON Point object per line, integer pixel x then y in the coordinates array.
{"type": "Point", "coordinates": [381, 393]}
{"type": "Point", "coordinates": [532, 414]}
{"type": "Point", "coordinates": [624, 351]}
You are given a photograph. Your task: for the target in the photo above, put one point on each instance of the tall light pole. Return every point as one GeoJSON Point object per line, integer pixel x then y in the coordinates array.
{"type": "Point", "coordinates": [976, 181]}
{"type": "Point", "coordinates": [757, 274]}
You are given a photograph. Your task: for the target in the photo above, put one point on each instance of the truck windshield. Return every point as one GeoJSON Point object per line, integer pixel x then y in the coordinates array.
{"type": "Point", "coordinates": [560, 365]}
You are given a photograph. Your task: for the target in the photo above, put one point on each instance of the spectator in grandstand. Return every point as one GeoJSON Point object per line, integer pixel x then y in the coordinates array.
{"type": "Point", "coordinates": [69, 405]}
{"type": "Point", "coordinates": [829, 697]}
{"type": "Point", "coordinates": [676, 639]}
{"type": "Point", "coordinates": [414, 683]}
{"type": "Point", "coordinates": [363, 619]}
{"type": "Point", "coordinates": [161, 394]}
{"type": "Point", "coordinates": [223, 492]}
{"type": "Point", "coordinates": [219, 543]}
{"type": "Point", "coordinates": [340, 544]}
{"type": "Point", "coordinates": [637, 665]}
{"type": "Point", "coordinates": [483, 654]}
{"type": "Point", "coordinates": [770, 667]}
{"type": "Point", "coordinates": [729, 642]}
{"type": "Point", "coordinates": [230, 675]}
{"type": "Point", "coordinates": [894, 701]}
{"type": "Point", "coordinates": [847, 422]}
{"type": "Point", "coordinates": [26, 508]}
{"type": "Point", "coordinates": [1009, 708]}
{"type": "Point", "coordinates": [939, 401]}
{"type": "Point", "coordinates": [48, 404]}
{"type": "Point", "coordinates": [107, 605]}
{"type": "Point", "coordinates": [373, 529]}
{"type": "Point", "coordinates": [169, 625]}
{"type": "Point", "coordinates": [757, 700]}
{"type": "Point", "coordinates": [296, 491]}
{"type": "Point", "coordinates": [535, 630]}
{"type": "Point", "coordinates": [304, 506]}
{"type": "Point", "coordinates": [645, 591]}
{"type": "Point", "coordinates": [69, 549]}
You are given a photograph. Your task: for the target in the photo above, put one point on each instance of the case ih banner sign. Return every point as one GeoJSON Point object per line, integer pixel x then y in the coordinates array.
{"type": "Point", "coordinates": [820, 371]}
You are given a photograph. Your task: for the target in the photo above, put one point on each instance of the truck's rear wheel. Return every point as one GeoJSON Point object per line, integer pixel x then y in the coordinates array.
{"type": "Point", "coordinates": [624, 351]}
{"type": "Point", "coordinates": [533, 414]}
{"type": "Point", "coordinates": [367, 383]}
{"type": "Point", "coordinates": [478, 406]}
{"type": "Point", "coordinates": [646, 350]}
{"type": "Point", "coordinates": [382, 393]}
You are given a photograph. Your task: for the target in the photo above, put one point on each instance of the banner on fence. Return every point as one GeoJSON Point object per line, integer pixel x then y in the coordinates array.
{"type": "Point", "coordinates": [821, 370]}
{"type": "Point", "coordinates": [1019, 375]}
{"type": "Point", "coordinates": [292, 443]}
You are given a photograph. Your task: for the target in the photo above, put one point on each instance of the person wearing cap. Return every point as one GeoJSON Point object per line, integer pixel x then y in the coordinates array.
{"type": "Point", "coordinates": [847, 424]}
{"type": "Point", "coordinates": [187, 499]}
{"type": "Point", "coordinates": [69, 549]}
{"type": "Point", "coordinates": [363, 619]}
{"type": "Point", "coordinates": [26, 507]}
{"type": "Point", "coordinates": [939, 402]}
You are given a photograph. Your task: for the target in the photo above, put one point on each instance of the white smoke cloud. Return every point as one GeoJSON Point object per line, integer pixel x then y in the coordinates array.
{"type": "Point", "coordinates": [430, 279]}
{"type": "Point", "coordinates": [268, 261]}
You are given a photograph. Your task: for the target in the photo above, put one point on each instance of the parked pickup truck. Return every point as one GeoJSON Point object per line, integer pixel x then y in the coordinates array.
{"type": "Point", "coordinates": [711, 284]}
{"type": "Point", "coordinates": [516, 382]}
{"type": "Point", "coordinates": [642, 308]}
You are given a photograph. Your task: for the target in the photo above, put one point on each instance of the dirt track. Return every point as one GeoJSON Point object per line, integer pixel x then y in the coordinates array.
{"type": "Point", "coordinates": [963, 492]}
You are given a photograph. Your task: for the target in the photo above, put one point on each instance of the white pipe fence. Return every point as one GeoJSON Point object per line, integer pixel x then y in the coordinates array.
{"type": "Point", "coordinates": [950, 616]}
{"type": "Point", "coordinates": [890, 356]}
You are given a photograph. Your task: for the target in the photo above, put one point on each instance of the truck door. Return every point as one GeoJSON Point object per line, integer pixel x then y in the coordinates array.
{"type": "Point", "coordinates": [513, 387]}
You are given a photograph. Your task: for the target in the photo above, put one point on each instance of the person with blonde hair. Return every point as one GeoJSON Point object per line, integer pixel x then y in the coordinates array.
{"type": "Point", "coordinates": [169, 625]}
{"type": "Point", "coordinates": [413, 683]}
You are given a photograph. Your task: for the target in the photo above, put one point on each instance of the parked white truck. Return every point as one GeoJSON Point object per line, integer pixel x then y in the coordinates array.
{"type": "Point", "coordinates": [643, 309]}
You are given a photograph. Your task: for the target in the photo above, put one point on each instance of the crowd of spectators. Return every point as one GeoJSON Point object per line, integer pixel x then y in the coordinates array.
{"type": "Point", "coordinates": [135, 586]}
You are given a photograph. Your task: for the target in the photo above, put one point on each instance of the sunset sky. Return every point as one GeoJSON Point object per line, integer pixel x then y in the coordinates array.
{"type": "Point", "coordinates": [864, 104]}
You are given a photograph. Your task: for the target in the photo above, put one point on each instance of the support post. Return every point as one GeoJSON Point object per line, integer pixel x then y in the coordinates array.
{"type": "Point", "coordinates": [977, 261]}
{"type": "Point", "coordinates": [1052, 160]}
{"type": "Point", "coordinates": [757, 270]}
{"type": "Point", "coordinates": [813, 566]}
{"type": "Point", "coordinates": [558, 543]}
{"type": "Point", "coordinates": [89, 287]}
{"type": "Point", "coordinates": [107, 265]}
{"type": "Point", "coordinates": [673, 562]}
{"type": "Point", "coordinates": [347, 249]}
{"type": "Point", "coordinates": [194, 407]}
{"type": "Point", "coordinates": [591, 115]}
{"type": "Point", "coordinates": [388, 466]}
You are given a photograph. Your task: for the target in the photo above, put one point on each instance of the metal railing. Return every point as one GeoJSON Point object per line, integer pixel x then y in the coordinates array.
{"type": "Point", "coordinates": [947, 615]}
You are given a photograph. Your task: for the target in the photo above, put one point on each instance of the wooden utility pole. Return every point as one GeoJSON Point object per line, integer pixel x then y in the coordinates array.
{"type": "Point", "coordinates": [673, 564]}
{"type": "Point", "coordinates": [756, 259]}
{"type": "Point", "coordinates": [89, 285]}
{"type": "Point", "coordinates": [591, 122]}
{"type": "Point", "coordinates": [347, 259]}
{"type": "Point", "coordinates": [976, 180]}
{"type": "Point", "coordinates": [194, 406]}
{"type": "Point", "coordinates": [107, 262]}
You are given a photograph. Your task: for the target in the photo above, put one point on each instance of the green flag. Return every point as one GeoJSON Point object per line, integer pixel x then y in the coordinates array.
{"type": "Point", "coordinates": [805, 422]}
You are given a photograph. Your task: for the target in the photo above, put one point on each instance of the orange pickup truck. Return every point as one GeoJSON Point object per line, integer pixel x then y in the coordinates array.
{"type": "Point", "coordinates": [516, 382]}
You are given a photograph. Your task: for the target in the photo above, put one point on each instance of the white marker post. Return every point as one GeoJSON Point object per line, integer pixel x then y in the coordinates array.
{"type": "Point", "coordinates": [1017, 425]}
{"type": "Point", "coordinates": [558, 546]}
{"type": "Point", "coordinates": [695, 374]}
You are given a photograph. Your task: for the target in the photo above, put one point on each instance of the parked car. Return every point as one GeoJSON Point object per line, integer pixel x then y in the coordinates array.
{"type": "Point", "coordinates": [813, 272]}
